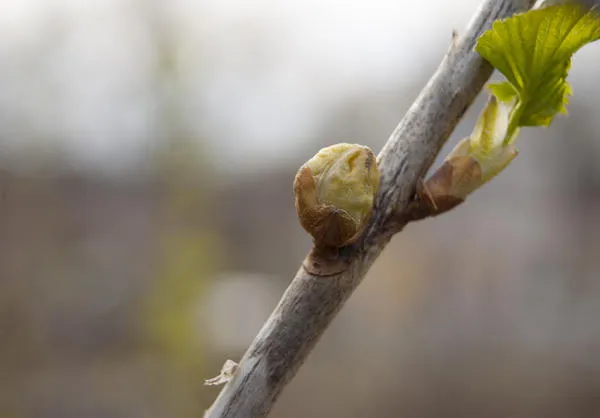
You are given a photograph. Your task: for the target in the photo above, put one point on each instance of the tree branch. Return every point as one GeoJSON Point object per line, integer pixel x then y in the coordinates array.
{"type": "Point", "coordinates": [312, 300]}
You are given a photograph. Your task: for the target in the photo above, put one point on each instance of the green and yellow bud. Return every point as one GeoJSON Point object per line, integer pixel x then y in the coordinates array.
{"type": "Point", "coordinates": [476, 159]}
{"type": "Point", "coordinates": [335, 191]}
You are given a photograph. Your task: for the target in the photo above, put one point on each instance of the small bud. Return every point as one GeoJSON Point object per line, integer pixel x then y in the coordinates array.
{"type": "Point", "coordinates": [226, 374]}
{"type": "Point", "coordinates": [335, 191]}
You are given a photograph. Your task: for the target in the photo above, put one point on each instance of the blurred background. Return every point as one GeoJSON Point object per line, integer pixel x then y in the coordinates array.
{"type": "Point", "coordinates": [147, 225]}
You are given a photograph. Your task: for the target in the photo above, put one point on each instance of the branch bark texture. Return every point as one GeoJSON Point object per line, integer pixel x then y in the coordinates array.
{"type": "Point", "coordinates": [311, 301]}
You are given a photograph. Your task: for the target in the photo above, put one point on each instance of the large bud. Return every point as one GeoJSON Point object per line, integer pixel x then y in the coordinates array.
{"type": "Point", "coordinates": [335, 191]}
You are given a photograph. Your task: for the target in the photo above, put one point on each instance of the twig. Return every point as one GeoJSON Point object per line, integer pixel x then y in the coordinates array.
{"type": "Point", "coordinates": [311, 301]}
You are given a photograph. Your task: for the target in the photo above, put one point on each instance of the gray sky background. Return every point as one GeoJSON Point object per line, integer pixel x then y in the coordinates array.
{"type": "Point", "coordinates": [259, 76]}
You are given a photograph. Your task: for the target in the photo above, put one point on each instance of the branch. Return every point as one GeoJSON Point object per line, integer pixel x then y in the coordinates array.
{"type": "Point", "coordinates": [313, 299]}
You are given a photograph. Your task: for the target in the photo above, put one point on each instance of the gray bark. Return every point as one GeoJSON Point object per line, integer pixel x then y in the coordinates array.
{"type": "Point", "coordinates": [311, 302]}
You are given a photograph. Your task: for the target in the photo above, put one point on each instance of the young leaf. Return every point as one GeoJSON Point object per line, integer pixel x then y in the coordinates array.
{"type": "Point", "coordinates": [533, 50]}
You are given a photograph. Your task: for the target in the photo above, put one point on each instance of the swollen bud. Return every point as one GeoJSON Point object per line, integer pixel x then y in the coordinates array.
{"type": "Point", "coordinates": [335, 191]}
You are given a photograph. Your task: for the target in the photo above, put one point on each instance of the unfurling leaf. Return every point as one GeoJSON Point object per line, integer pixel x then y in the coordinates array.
{"type": "Point", "coordinates": [533, 50]}
{"type": "Point", "coordinates": [475, 160]}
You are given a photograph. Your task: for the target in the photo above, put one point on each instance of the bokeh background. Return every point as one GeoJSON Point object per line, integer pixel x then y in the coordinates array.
{"type": "Point", "coordinates": [147, 226]}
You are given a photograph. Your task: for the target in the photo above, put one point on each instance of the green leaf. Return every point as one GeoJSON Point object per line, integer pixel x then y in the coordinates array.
{"type": "Point", "coordinates": [505, 92]}
{"type": "Point", "coordinates": [490, 129]}
{"type": "Point", "coordinates": [533, 50]}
